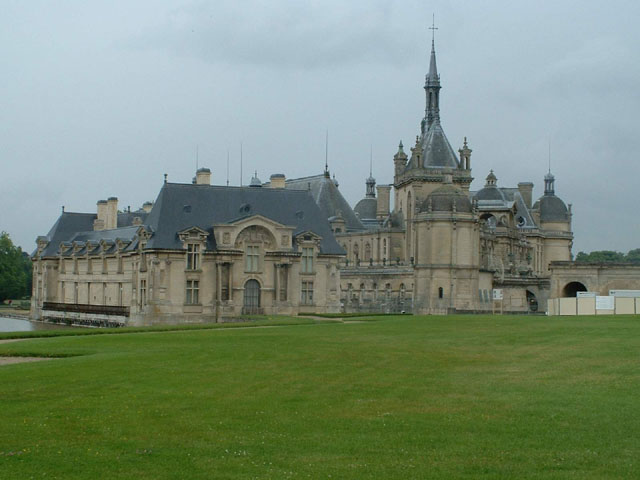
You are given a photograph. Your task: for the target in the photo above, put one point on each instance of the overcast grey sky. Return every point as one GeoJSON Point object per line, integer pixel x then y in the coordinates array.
{"type": "Point", "coordinates": [99, 99]}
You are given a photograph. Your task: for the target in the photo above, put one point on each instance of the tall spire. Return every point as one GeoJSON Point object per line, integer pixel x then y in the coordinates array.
{"type": "Point", "coordinates": [432, 87]}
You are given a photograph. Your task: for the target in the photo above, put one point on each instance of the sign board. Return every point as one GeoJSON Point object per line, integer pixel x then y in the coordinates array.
{"type": "Point", "coordinates": [586, 294]}
{"type": "Point", "coordinates": [497, 294]}
{"type": "Point", "coordinates": [605, 303]}
{"type": "Point", "coordinates": [624, 293]}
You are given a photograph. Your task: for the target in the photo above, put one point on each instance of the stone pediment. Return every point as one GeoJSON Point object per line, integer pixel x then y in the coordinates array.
{"type": "Point", "coordinates": [254, 229]}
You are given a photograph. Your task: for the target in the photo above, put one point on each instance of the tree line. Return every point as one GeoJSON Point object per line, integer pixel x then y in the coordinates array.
{"type": "Point", "coordinates": [15, 270]}
{"type": "Point", "coordinates": [609, 256]}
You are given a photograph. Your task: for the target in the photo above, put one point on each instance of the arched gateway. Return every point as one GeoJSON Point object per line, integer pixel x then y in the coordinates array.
{"type": "Point", "coordinates": [572, 288]}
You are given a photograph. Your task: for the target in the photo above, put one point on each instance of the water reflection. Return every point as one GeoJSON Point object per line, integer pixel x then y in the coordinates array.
{"type": "Point", "coordinates": [19, 325]}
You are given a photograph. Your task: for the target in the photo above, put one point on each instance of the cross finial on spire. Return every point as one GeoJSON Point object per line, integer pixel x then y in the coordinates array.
{"type": "Point", "coordinates": [433, 29]}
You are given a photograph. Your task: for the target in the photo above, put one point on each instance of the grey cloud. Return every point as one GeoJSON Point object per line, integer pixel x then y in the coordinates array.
{"type": "Point", "coordinates": [298, 35]}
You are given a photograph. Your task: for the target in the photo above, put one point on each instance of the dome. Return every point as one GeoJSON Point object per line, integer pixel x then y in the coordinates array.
{"type": "Point", "coordinates": [552, 209]}
{"type": "Point", "coordinates": [490, 193]}
{"type": "Point", "coordinates": [366, 208]}
{"type": "Point", "coordinates": [447, 198]}
{"type": "Point", "coordinates": [490, 190]}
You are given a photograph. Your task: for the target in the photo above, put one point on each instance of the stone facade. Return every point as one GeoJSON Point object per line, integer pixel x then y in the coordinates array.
{"type": "Point", "coordinates": [200, 254]}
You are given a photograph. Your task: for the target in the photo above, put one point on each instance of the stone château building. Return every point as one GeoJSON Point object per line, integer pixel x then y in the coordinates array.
{"type": "Point", "coordinates": [198, 253]}
{"type": "Point", "coordinates": [205, 253]}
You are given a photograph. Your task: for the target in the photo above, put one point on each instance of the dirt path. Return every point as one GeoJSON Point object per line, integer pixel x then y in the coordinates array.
{"type": "Point", "coordinates": [12, 360]}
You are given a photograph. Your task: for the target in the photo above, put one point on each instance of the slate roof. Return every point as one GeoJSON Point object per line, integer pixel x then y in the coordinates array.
{"type": "Point", "coordinates": [552, 209]}
{"type": "Point", "coordinates": [67, 225]}
{"type": "Point", "coordinates": [328, 198]}
{"type": "Point", "coordinates": [436, 149]}
{"type": "Point", "coordinates": [181, 206]}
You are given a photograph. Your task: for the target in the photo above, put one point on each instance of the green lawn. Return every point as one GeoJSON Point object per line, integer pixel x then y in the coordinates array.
{"type": "Point", "coordinates": [394, 398]}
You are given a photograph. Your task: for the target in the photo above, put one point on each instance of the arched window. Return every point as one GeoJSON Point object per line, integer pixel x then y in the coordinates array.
{"type": "Point", "coordinates": [440, 292]}
{"type": "Point", "coordinates": [356, 252]}
{"type": "Point", "coordinates": [367, 251]}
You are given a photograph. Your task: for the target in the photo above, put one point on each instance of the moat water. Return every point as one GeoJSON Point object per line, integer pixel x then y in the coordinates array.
{"type": "Point", "coordinates": [20, 325]}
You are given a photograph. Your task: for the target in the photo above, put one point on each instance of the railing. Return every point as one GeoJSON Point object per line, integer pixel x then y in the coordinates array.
{"type": "Point", "coordinates": [252, 310]}
{"type": "Point", "coordinates": [83, 308]}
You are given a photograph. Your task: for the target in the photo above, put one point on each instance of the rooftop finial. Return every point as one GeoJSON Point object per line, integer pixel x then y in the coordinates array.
{"type": "Point", "coordinates": [433, 29]}
{"type": "Point", "coordinates": [165, 177]}
{"type": "Point", "coordinates": [326, 154]}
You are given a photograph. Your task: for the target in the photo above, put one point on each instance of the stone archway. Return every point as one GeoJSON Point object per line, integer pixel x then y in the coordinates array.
{"type": "Point", "coordinates": [251, 302]}
{"type": "Point", "coordinates": [572, 288]}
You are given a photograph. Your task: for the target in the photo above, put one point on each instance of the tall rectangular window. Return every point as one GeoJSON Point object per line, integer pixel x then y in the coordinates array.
{"type": "Point", "coordinates": [193, 292]}
{"type": "Point", "coordinates": [283, 282]}
{"type": "Point", "coordinates": [193, 256]}
{"type": "Point", "coordinates": [307, 260]}
{"type": "Point", "coordinates": [120, 300]}
{"type": "Point", "coordinates": [143, 292]}
{"type": "Point", "coordinates": [224, 282]}
{"type": "Point", "coordinates": [307, 293]}
{"type": "Point", "coordinates": [253, 257]}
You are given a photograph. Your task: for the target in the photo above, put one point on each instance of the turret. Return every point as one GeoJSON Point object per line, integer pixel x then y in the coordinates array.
{"type": "Point", "coordinates": [400, 160]}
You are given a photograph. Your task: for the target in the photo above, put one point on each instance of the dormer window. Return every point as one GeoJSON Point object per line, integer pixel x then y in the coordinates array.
{"type": "Point", "coordinates": [193, 256]}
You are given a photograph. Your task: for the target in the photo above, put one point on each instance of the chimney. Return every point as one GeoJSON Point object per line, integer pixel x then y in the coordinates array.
{"type": "Point", "coordinates": [277, 180]}
{"type": "Point", "coordinates": [203, 176]}
{"type": "Point", "coordinates": [382, 210]}
{"type": "Point", "coordinates": [147, 206]}
{"type": "Point", "coordinates": [526, 190]}
{"type": "Point", "coordinates": [111, 221]}
{"type": "Point", "coordinates": [101, 222]}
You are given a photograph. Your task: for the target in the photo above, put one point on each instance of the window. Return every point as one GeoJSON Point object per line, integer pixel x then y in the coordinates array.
{"type": "Point", "coordinates": [120, 265]}
{"type": "Point", "coordinates": [105, 266]}
{"type": "Point", "coordinates": [224, 285]}
{"type": "Point", "coordinates": [440, 292]}
{"type": "Point", "coordinates": [193, 292]}
{"type": "Point", "coordinates": [89, 266]}
{"type": "Point", "coordinates": [75, 265]}
{"type": "Point", "coordinates": [104, 293]}
{"type": "Point", "coordinates": [62, 299]}
{"type": "Point", "coordinates": [75, 292]}
{"type": "Point", "coordinates": [120, 294]}
{"type": "Point", "coordinates": [193, 256]}
{"type": "Point", "coordinates": [62, 266]}
{"type": "Point", "coordinates": [307, 260]}
{"type": "Point", "coordinates": [402, 291]}
{"type": "Point", "coordinates": [253, 256]}
{"type": "Point", "coordinates": [283, 282]}
{"type": "Point", "coordinates": [307, 293]}
{"type": "Point", "coordinates": [143, 292]}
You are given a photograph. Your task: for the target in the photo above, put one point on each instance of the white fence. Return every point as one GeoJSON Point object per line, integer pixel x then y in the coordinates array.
{"type": "Point", "coordinates": [594, 305]}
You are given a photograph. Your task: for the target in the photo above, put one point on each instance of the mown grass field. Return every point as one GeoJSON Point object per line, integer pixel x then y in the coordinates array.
{"type": "Point", "coordinates": [393, 398]}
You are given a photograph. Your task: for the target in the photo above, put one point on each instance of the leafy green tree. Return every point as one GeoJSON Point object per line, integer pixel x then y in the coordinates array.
{"type": "Point", "coordinates": [633, 256]}
{"type": "Point", "coordinates": [601, 256]}
{"type": "Point", "coordinates": [15, 270]}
